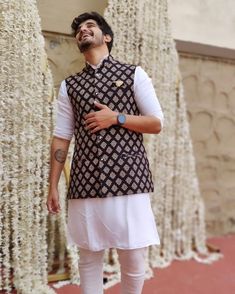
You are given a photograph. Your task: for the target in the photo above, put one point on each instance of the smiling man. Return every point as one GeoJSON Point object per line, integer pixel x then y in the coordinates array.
{"type": "Point", "coordinates": [106, 107]}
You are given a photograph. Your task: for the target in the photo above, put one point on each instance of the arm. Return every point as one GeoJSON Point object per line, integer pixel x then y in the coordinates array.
{"type": "Point", "coordinates": [105, 117]}
{"type": "Point", "coordinates": [59, 147]}
{"type": "Point", "coordinates": [59, 151]}
{"type": "Point", "coordinates": [143, 124]}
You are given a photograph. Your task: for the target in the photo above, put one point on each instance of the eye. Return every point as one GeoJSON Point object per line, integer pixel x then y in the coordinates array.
{"type": "Point", "coordinates": [89, 25]}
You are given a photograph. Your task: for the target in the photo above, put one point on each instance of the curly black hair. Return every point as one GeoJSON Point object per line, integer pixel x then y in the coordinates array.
{"type": "Point", "coordinates": [103, 25]}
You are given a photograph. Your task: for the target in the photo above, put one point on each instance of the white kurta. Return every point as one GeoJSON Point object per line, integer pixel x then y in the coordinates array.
{"type": "Point", "coordinates": [124, 222]}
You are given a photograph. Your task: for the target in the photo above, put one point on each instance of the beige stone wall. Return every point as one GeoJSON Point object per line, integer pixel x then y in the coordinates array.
{"type": "Point", "coordinates": [210, 94]}
{"type": "Point", "coordinates": [208, 22]}
{"type": "Point", "coordinates": [57, 15]}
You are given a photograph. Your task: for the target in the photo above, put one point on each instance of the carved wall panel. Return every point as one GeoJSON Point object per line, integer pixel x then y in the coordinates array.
{"type": "Point", "coordinates": [64, 57]}
{"type": "Point", "coordinates": [210, 95]}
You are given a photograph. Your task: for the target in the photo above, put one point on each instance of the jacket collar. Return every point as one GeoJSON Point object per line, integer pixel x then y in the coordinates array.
{"type": "Point", "coordinates": [103, 63]}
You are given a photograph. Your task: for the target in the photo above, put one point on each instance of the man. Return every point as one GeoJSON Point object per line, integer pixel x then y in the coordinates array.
{"type": "Point", "coordinates": [107, 107]}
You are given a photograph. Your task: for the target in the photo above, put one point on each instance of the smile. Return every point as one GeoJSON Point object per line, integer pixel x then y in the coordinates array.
{"type": "Point", "coordinates": [85, 36]}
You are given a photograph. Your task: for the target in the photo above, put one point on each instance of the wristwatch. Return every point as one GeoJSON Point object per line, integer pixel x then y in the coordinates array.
{"type": "Point", "coordinates": [121, 119]}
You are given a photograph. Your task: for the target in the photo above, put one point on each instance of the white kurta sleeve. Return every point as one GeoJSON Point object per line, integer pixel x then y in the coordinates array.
{"type": "Point", "coordinates": [64, 119]}
{"type": "Point", "coordinates": [145, 95]}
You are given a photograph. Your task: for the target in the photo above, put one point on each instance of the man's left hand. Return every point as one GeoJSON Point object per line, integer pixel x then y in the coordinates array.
{"type": "Point", "coordinates": [101, 119]}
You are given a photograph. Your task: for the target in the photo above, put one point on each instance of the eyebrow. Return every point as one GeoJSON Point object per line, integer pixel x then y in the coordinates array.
{"type": "Point", "coordinates": [89, 22]}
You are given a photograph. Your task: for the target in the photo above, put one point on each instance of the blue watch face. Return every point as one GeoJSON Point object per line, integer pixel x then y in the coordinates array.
{"type": "Point", "coordinates": [121, 119]}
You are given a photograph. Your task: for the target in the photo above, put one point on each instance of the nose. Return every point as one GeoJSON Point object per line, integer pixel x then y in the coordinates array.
{"type": "Point", "coordinates": [83, 29]}
{"type": "Point", "coordinates": [80, 30]}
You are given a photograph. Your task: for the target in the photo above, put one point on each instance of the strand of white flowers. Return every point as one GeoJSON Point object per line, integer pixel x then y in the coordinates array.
{"type": "Point", "coordinates": [4, 127]}
{"type": "Point", "coordinates": [51, 219]}
{"type": "Point", "coordinates": [15, 165]}
{"type": "Point", "coordinates": [58, 224]}
{"type": "Point", "coordinates": [21, 32]}
{"type": "Point", "coordinates": [159, 23]}
{"type": "Point", "coordinates": [73, 258]}
{"type": "Point", "coordinates": [51, 241]}
{"type": "Point", "coordinates": [166, 201]}
{"type": "Point", "coordinates": [146, 58]}
{"type": "Point", "coordinates": [2, 171]}
{"type": "Point", "coordinates": [9, 183]}
{"type": "Point", "coordinates": [1, 211]}
{"type": "Point", "coordinates": [152, 71]}
{"type": "Point", "coordinates": [46, 129]}
{"type": "Point", "coordinates": [156, 160]}
{"type": "Point", "coordinates": [62, 227]}
{"type": "Point", "coordinates": [5, 248]}
{"type": "Point", "coordinates": [180, 216]}
{"type": "Point", "coordinates": [27, 138]}
{"type": "Point", "coordinates": [30, 133]}
{"type": "Point", "coordinates": [1, 199]}
{"type": "Point", "coordinates": [40, 115]}
{"type": "Point", "coordinates": [167, 81]}
{"type": "Point", "coordinates": [20, 176]}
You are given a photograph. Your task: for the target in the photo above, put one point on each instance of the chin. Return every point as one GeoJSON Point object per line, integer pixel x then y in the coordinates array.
{"type": "Point", "coordinates": [84, 46]}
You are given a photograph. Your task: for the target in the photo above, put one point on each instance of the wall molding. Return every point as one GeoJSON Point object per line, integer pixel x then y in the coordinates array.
{"type": "Point", "coordinates": [204, 50]}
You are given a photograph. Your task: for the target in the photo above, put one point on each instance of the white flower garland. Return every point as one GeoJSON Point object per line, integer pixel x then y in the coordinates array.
{"type": "Point", "coordinates": [25, 124]}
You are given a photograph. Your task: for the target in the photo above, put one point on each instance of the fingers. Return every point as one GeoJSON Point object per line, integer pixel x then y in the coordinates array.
{"type": "Point", "coordinates": [93, 123]}
{"type": "Point", "coordinates": [90, 115]}
{"type": "Point", "coordinates": [91, 119]}
{"type": "Point", "coordinates": [96, 129]}
{"type": "Point", "coordinates": [98, 120]}
{"type": "Point", "coordinates": [53, 206]}
{"type": "Point", "coordinates": [91, 126]}
{"type": "Point", "coordinates": [99, 105]}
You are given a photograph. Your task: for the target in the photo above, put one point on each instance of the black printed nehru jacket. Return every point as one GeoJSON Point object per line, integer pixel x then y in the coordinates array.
{"type": "Point", "coordinates": [113, 161]}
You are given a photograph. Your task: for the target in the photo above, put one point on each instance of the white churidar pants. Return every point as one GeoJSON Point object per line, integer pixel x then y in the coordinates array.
{"type": "Point", "coordinates": [132, 263]}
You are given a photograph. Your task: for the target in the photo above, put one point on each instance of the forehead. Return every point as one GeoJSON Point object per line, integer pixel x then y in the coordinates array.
{"type": "Point", "coordinates": [88, 21]}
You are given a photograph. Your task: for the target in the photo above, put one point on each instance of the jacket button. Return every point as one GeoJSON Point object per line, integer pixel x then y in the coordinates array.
{"type": "Point", "coordinates": [104, 158]}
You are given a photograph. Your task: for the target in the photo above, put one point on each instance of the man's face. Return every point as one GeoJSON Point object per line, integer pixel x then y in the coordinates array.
{"type": "Point", "coordinates": [89, 35]}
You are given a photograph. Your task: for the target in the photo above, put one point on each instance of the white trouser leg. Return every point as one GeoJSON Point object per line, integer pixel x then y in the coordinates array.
{"type": "Point", "coordinates": [91, 271]}
{"type": "Point", "coordinates": [132, 264]}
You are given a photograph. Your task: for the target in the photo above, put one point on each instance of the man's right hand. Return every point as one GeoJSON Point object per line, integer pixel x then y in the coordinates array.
{"type": "Point", "coordinates": [53, 204]}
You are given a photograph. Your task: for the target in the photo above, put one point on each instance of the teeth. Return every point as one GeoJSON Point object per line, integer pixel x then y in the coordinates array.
{"type": "Point", "coordinates": [84, 36]}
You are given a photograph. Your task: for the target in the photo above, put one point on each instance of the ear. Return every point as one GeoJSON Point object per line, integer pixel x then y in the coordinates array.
{"type": "Point", "coordinates": [107, 38]}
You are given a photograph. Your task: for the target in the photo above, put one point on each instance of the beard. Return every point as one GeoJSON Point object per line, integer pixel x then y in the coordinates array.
{"type": "Point", "coordinates": [84, 46]}
{"type": "Point", "coordinates": [89, 43]}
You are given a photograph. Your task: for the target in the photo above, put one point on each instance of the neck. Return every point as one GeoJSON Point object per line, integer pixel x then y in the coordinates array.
{"type": "Point", "coordinates": [95, 55]}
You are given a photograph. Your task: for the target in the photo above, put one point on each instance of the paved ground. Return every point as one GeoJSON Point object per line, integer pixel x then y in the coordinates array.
{"type": "Point", "coordinates": [189, 277]}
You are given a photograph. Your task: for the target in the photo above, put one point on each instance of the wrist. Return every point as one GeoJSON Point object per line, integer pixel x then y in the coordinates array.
{"type": "Point", "coordinates": [53, 188]}
{"type": "Point", "coordinates": [121, 119]}
{"type": "Point", "coordinates": [114, 118]}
